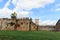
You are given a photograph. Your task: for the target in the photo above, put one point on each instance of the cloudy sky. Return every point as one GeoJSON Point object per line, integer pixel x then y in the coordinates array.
{"type": "Point", "coordinates": [47, 11]}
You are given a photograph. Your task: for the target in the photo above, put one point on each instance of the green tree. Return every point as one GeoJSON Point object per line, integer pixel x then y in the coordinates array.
{"type": "Point", "coordinates": [14, 15]}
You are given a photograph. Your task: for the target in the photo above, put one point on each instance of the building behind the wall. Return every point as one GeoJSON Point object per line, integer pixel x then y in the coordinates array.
{"type": "Point", "coordinates": [47, 28]}
{"type": "Point", "coordinates": [57, 27]}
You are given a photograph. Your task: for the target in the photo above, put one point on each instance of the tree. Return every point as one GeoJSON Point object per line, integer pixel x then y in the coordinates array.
{"type": "Point", "coordinates": [14, 18]}
{"type": "Point", "coordinates": [14, 15]}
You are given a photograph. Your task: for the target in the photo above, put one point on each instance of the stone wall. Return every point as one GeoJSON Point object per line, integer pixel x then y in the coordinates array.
{"type": "Point", "coordinates": [47, 28]}
{"type": "Point", "coordinates": [4, 23]}
{"type": "Point", "coordinates": [23, 24]}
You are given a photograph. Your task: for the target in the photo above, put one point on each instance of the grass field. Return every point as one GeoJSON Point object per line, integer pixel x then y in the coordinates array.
{"type": "Point", "coordinates": [32, 35]}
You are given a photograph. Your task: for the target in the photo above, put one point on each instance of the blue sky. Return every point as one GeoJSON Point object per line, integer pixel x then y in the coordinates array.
{"type": "Point", "coordinates": [47, 11]}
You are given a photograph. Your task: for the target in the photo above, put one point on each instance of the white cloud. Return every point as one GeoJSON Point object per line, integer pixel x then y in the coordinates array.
{"type": "Point", "coordinates": [23, 4]}
{"type": "Point", "coordinates": [58, 5]}
{"type": "Point", "coordinates": [56, 8]}
{"type": "Point", "coordinates": [5, 12]}
{"type": "Point", "coordinates": [0, 0]}
{"type": "Point", "coordinates": [29, 4]}
{"type": "Point", "coordinates": [47, 22]}
{"type": "Point", "coordinates": [26, 5]}
{"type": "Point", "coordinates": [22, 14]}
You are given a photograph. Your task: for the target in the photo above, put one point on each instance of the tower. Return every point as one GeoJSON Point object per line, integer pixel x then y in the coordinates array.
{"type": "Point", "coordinates": [37, 21]}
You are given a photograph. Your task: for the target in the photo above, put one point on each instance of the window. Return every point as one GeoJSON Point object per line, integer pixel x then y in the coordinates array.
{"type": "Point", "coordinates": [21, 23]}
{"type": "Point", "coordinates": [26, 23]}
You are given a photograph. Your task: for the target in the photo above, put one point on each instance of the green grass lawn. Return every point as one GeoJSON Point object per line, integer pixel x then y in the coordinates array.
{"type": "Point", "coordinates": [29, 35]}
